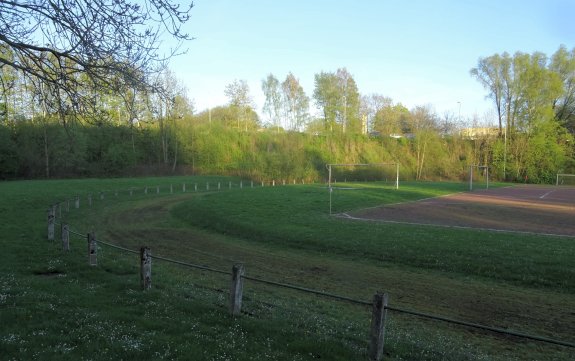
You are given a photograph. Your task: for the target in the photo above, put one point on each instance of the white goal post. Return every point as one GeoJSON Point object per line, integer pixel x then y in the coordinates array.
{"type": "Point", "coordinates": [479, 167]}
{"type": "Point", "coordinates": [396, 165]}
{"type": "Point", "coordinates": [330, 179]}
{"type": "Point", "coordinates": [561, 177]}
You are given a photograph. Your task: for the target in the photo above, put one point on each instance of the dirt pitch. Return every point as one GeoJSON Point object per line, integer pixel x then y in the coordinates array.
{"type": "Point", "coordinates": [526, 208]}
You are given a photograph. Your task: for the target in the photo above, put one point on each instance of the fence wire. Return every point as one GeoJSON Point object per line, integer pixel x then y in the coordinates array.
{"type": "Point", "coordinates": [482, 327]}
{"type": "Point", "coordinates": [308, 290]}
{"type": "Point", "coordinates": [343, 298]}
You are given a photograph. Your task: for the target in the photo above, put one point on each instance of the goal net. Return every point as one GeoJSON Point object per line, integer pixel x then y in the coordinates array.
{"type": "Point", "coordinates": [565, 179]}
{"type": "Point", "coordinates": [362, 173]}
{"type": "Point", "coordinates": [478, 177]}
{"type": "Point", "coordinates": [345, 180]}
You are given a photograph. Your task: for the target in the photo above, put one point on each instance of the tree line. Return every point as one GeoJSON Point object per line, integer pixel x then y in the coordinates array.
{"type": "Point", "coordinates": [83, 104]}
{"type": "Point", "coordinates": [151, 134]}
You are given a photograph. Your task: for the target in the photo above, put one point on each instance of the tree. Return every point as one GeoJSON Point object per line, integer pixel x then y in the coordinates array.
{"type": "Point", "coordinates": [326, 98]}
{"type": "Point", "coordinates": [296, 103]}
{"type": "Point", "coordinates": [423, 126]}
{"type": "Point", "coordinates": [533, 95]}
{"type": "Point", "coordinates": [273, 104]}
{"type": "Point", "coordinates": [348, 112]}
{"type": "Point", "coordinates": [563, 64]}
{"type": "Point", "coordinates": [8, 79]}
{"type": "Point", "coordinates": [490, 72]}
{"type": "Point", "coordinates": [112, 44]}
{"type": "Point", "coordinates": [370, 105]}
{"type": "Point", "coordinates": [241, 102]}
{"type": "Point", "coordinates": [337, 95]}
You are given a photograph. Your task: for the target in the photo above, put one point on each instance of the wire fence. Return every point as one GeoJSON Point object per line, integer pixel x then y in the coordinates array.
{"type": "Point", "coordinates": [241, 276]}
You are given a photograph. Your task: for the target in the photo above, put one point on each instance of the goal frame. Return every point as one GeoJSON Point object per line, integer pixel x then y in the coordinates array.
{"type": "Point", "coordinates": [563, 175]}
{"type": "Point", "coordinates": [471, 167]}
{"type": "Point", "coordinates": [330, 165]}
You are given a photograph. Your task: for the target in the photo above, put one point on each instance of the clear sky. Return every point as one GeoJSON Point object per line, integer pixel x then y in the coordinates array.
{"type": "Point", "coordinates": [416, 52]}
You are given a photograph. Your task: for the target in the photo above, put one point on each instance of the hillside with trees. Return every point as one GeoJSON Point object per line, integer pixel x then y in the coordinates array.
{"type": "Point", "coordinates": [71, 110]}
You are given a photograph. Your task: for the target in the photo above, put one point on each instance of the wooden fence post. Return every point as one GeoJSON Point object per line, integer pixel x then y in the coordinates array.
{"type": "Point", "coordinates": [146, 190]}
{"type": "Point", "coordinates": [219, 185]}
{"type": "Point", "coordinates": [131, 192]}
{"type": "Point", "coordinates": [68, 205]}
{"type": "Point", "coordinates": [145, 268]}
{"type": "Point", "coordinates": [51, 222]}
{"type": "Point", "coordinates": [230, 187]}
{"type": "Point", "coordinates": [171, 189]}
{"type": "Point", "coordinates": [89, 200]}
{"type": "Point", "coordinates": [183, 187]}
{"type": "Point", "coordinates": [101, 195]}
{"type": "Point", "coordinates": [207, 186]}
{"type": "Point", "coordinates": [195, 187]}
{"type": "Point", "coordinates": [377, 333]}
{"type": "Point", "coordinates": [65, 237]}
{"type": "Point", "coordinates": [77, 203]}
{"type": "Point", "coordinates": [236, 289]}
{"type": "Point", "coordinates": [157, 189]}
{"type": "Point", "coordinates": [92, 249]}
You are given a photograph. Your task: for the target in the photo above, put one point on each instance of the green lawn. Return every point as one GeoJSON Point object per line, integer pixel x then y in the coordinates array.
{"type": "Point", "coordinates": [54, 306]}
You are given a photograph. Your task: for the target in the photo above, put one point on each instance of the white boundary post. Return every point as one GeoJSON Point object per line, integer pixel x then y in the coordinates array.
{"type": "Point", "coordinates": [92, 249]}
{"type": "Point", "coordinates": [396, 175]}
{"type": "Point", "coordinates": [377, 334]}
{"type": "Point", "coordinates": [236, 289]}
{"type": "Point", "coordinates": [65, 237]}
{"type": "Point", "coordinates": [145, 268]}
{"type": "Point", "coordinates": [51, 222]}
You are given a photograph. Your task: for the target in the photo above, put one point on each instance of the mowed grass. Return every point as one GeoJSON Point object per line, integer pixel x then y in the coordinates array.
{"type": "Point", "coordinates": [54, 306]}
{"type": "Point", "coordinates": [298, 217]}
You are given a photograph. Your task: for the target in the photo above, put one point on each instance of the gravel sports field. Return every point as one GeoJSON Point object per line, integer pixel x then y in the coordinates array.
{"type": "Point", "coordinates": [523, 208]}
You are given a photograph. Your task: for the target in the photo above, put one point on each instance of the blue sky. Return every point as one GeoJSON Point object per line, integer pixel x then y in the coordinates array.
{"type": "Point", "coordinates": [416, 52]}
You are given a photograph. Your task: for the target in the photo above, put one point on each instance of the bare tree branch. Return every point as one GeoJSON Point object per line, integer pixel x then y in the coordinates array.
{"type": "Point", "coordinates": [70, 45]}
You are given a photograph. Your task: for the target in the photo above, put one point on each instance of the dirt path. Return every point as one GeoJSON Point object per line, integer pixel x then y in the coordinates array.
{"type": "Point", "coordinates": [500, 305]}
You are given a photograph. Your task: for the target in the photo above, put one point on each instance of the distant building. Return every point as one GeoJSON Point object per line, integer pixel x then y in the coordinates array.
{"type": "Point", "coordinates": [480, 132]}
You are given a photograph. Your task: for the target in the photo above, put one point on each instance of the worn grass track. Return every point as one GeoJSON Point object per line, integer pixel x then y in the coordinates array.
{"type": "Point", "coordinates": [186, 312]}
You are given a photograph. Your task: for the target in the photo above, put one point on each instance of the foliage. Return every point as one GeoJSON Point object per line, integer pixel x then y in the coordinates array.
{"type": "Point", "coordinates": [533, 97]}
{"type": "Point", "coordinates": [337, 96]}
{"type": "Point", "coordinates": [86, 46]}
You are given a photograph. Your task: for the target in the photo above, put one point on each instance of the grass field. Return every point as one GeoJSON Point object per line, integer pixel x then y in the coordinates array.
{"type": "Point", "coordinates": [54, 306]}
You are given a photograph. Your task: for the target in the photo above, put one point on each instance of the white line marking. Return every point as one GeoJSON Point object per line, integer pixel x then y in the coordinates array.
{"type": "Point", "coordinates": [347, 216]}
{"type": "Point", "coordinates": [546, 194]}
